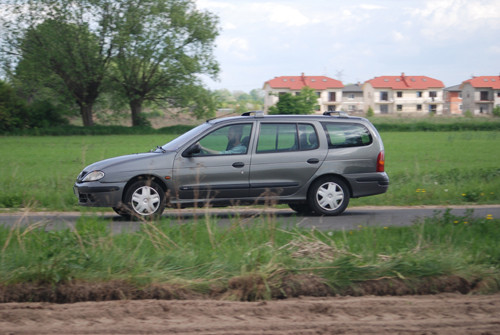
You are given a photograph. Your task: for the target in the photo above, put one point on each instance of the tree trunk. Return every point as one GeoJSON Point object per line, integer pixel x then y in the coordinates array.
{"type": "Point", "coordinates": [86, 113]}
{"type": "Point", "coordinates": [136, 108]}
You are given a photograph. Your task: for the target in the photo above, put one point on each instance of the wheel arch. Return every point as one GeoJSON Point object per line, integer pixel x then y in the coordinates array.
{"type": "Point", "coordinates": [151, 177]}
{"type": "Point", "coordinates": [345, 180]}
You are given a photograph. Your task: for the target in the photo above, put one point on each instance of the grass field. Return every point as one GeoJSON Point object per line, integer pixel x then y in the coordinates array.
{"type": "Point", "coordinates": [262, 260]}
{"type": "Point", "coordinates": [425, 168]}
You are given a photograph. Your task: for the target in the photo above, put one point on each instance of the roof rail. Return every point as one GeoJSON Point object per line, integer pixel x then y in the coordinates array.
{"type": "Point", "coordinates": [339, 113]}
{"type": "Point", "coordinates": [256, 113]}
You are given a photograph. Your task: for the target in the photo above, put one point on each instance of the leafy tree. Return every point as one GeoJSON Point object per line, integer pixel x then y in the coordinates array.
{"type": "Point", "coordinates": [162, 48]}
{"type": "Point", "coordinates": [303, 103]}
{"type": "Point", "coordinates": [72, 40]}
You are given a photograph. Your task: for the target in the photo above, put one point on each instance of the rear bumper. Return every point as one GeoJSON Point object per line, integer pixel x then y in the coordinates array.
{"type": "Point", "coordinates": [366, 184]}
{"type": "Point", "coordinates": [98, 195]}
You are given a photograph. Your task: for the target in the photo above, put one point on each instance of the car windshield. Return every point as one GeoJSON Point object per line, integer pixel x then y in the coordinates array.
{"type": "Point", "coordinates": [179, 141]}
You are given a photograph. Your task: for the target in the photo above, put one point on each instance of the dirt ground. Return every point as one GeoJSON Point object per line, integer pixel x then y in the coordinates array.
{"type": "Point", "coordinates": [448, 313]}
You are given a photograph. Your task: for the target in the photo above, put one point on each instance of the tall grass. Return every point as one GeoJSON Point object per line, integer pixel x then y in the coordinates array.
{"type": "Point", "coordinates": [203, 256]}
{"type": "Point", "coordinates": [425, 168]}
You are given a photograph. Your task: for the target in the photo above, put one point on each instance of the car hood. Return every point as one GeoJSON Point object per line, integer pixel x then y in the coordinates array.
{"type": "Point", "coordinates": [142, 161]}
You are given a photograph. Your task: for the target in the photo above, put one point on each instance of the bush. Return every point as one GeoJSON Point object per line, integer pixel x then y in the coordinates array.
{"type": "Point", "coordinates": [496, 111]}
{"type": "Point", "coordinates": [16, 114]}
{"type": "Point", "coordinates": [370, 112]}
{"type": "Point", "coordinates": [13, 111]}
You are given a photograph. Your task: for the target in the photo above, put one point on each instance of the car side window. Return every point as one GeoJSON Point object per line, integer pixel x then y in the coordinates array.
{"type": "Point", "coordinates": [345, 135]}
{"type": "Point", "coordinates": [308, 139]}
{"type": "Point", "coordinates": [228, 140]}
{"type": "Point", "coordinates": [282, 137]}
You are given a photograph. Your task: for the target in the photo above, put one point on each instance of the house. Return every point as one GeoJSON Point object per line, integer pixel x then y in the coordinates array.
{"type": "Point", "coordinates": [352, 99]}
{"type": "Point", "coordinates": [403, 95]}
{"type": "Point", "coordinates": [452, 100]}
{"type": "Point", "coordinates": [480, 95]}
{"type": "Point", "coordinates": [329, 90]}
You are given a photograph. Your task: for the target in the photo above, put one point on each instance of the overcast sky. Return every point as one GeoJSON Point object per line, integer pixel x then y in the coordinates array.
{"type": "Point", "coordinates": [354, 40]}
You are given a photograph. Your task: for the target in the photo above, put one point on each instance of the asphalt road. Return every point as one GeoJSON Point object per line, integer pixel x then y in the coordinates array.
{"type": "Point", "coordinates": [351, 219]}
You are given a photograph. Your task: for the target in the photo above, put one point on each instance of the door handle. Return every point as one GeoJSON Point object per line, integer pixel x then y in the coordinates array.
{"type": "Point", "coordinates": [238, 164]}
{"type": "Point", "coordinates": [313, 161]}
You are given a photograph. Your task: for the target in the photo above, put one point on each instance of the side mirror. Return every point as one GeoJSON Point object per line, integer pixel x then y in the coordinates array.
{"type": "Point", "coordinates": [192, 150]}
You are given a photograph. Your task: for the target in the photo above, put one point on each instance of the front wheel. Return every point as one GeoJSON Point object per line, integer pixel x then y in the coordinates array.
{"type": "Point", "coordinates": [329, 196]}
{"type": "Point", "coordinates": [145, 199]}
{"type": "Point", "coordinates": [301, 208]}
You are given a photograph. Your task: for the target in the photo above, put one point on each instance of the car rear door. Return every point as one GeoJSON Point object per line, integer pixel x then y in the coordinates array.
{"type": "Point", "coordinates": [286, 156]}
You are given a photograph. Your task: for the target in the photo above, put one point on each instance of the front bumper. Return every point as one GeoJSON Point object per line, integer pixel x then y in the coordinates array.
{"type": "Point", "coordinates": [96, 194]}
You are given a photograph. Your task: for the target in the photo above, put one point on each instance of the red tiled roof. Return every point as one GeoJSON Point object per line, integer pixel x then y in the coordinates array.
{"type": "Point", "coordinates": [298, 82]}
{"type": "Point", "coordinates": [485, 81]}
{"type": "Point", "coordinates": [404, 82]}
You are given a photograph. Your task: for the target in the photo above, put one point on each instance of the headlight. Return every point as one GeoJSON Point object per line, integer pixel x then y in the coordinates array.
{"type": "Point", "coordinates": [93, 176]}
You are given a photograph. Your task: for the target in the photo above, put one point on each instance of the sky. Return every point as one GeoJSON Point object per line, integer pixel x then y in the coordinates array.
{"type": "Point", "coordinates": [353, 40]}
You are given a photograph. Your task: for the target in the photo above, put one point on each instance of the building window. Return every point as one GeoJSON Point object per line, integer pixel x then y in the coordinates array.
{"type": "Point", "coordinates": [399, 94]}
{"type": "Point", "coordinates": [433, 94]}
{"type": "Point", "coordinates": [484, 95]}
{"type": "Point", "coordinates": [399, 108]}
{"type": "Point", "coordinates": [419, 94]}
{"type": "Point", "coordinates": [419, 107]}
{"type": "Point", "coordinates": [384, 96]}
{"type": "Point", "coordinates": [351, 96]}
{"type": "Point", "coordinates": [318, 94]}
{"type": "Point", "coordinates": [460, 107]}
{"type": "Point", "coordinates": [432, 108]}
{"type": "Point", "coordinates": [331, 96]}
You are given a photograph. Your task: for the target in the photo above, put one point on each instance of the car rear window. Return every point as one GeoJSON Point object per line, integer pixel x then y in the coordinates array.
{"type": "Point", "coordinates": [345, 135]}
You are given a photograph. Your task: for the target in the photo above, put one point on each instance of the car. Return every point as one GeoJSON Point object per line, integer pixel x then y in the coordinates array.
{"type": "Point", "coordinates": [313, 163]}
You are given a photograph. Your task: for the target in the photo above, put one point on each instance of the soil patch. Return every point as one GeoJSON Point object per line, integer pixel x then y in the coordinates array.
{"type": "Point", "coordinates": [243, 288]}
{"type": "Point", "coordinates": [445, 314]}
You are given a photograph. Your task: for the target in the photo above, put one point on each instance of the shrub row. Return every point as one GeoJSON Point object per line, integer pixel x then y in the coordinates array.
{"type": "Point", "coordinates": [430, 126]}
{"type": "Point", "coordinates": [96, 130]}
{"type": "Point", "coordinates": [68, 130]}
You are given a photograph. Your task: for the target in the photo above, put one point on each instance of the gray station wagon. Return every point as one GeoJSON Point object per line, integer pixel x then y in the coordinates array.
{"type": "Point", "coordinates": [313, 163]}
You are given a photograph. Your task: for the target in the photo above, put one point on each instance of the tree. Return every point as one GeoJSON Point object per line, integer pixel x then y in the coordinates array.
{"type": "Point", "coordinates": [303, 103]}
{"type": "Point", "coordinates": [162, 48]}
{"type": "Point", "coordinates": [72, 40]}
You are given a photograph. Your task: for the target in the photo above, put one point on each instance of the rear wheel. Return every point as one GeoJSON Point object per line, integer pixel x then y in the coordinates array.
{"type": "Point", "coordinates": [144, 199]}
{"type": "Point", "coordinates": [329, 196]}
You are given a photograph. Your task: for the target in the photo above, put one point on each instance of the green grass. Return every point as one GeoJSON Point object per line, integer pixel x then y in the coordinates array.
{"type": "Point", "coordinates": [203, 257]}
{"type": "Point", "coordinates": [425, 168]}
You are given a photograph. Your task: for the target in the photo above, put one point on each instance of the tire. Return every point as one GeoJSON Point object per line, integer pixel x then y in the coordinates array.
{"type": "Point", "coordinates": [329, 196]}
{"type": "Point", "coordinates": [144, 199]}
{"type": "Point", "coordinates": [123, 211]}
{"type": "Point", "coordinates": [301, 208]}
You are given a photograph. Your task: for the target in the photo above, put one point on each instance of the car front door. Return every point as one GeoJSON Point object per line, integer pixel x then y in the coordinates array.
{"type": "Point", "coordinates": [220, 170]}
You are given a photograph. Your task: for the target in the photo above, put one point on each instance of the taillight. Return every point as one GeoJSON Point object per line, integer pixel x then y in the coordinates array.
{"type": "Point", "coordinates": [381, 162]}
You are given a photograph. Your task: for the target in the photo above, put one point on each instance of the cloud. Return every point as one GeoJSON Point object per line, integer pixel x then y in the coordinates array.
{"type": "Point", "coordinates": [238, 47]}
{"type": "Point", "coordinates": [397, 36]}
{"type": "Point", "coordinates": [371, 7]}
{"type": "Point", "coordinates": [444, 19]}
{"type": "Point", "coordinates": [281, 14]}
